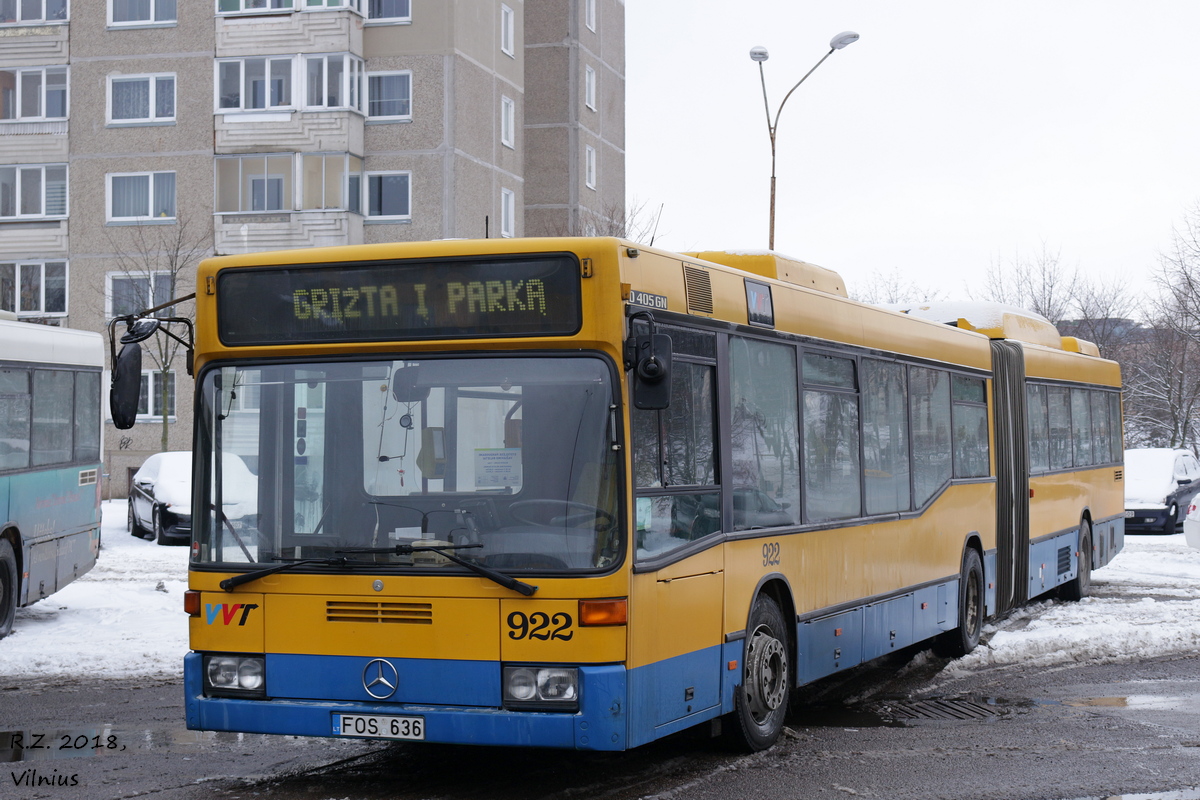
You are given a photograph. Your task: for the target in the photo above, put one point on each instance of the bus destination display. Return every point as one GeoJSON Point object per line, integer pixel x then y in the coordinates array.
{"type": "Point", "coordinates": [386, 300]}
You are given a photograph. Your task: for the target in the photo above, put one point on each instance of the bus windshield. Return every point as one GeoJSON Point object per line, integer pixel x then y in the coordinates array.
{"type": "Point", "coordinates": [318, 458]}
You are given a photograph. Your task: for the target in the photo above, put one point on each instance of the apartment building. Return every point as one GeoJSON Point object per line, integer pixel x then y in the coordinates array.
{"type": "Point", "coordinates": [139, 136]}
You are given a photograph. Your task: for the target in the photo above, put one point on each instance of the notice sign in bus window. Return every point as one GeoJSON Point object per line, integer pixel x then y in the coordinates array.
{"type": "Point", "coordinates": [399, 299]}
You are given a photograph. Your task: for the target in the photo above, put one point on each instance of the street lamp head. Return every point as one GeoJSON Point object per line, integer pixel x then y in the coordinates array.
{"type": "Point", "coordinates": [760, 54]}
{"type": "Point", "coordinates": [841, 40]}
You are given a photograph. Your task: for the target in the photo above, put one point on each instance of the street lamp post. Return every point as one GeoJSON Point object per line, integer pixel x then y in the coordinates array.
{"type": "Point", "coordinates": [760, 55]}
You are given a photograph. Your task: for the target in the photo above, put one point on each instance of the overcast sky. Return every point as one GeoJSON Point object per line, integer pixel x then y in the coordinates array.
{"type": "Point", "coordinates": [950, 137]}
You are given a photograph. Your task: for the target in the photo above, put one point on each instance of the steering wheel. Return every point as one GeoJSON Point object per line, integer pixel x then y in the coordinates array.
{"type": "Point", "coordinates": [523, 509]}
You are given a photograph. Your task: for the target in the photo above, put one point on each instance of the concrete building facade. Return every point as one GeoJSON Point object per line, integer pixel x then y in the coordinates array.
{"type": "Point", "coordinates": [139, 136]}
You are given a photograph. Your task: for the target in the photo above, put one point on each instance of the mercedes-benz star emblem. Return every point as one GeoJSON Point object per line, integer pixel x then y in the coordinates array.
{"type": "Point", "coordinates": [380, 679]}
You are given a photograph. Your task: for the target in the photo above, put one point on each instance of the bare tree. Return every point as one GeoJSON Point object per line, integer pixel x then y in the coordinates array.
{"type": "Point", "coordinates": [162, 258]}
{"type": "Point", "coordinates": [1162, 387]}
{"type": "Point", "coordinates": [633, 222]}
{"type": "Point", "coordinates": [884, 288]}
{"type": "Point", "coordinates": [1040, 284]}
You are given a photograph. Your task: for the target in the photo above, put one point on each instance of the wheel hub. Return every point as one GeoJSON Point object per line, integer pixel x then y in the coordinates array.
{"type": "Point", "coordinates": [766, 674]}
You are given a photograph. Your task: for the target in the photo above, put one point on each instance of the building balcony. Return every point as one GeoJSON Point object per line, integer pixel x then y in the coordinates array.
{"type": "Point", "coordinates": [289, 132]}
{"type": "Point", "coordinates": [331, 31]}
{"type": "Point", "coordinates": [284, 230]}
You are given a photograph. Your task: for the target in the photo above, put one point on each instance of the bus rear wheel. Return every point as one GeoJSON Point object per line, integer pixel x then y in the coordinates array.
{"type": "Point", "coordinates": [1078, 588]}
{"type": "Point", "coordinates": [8, 588]}
{"type": "Point", "coordinates": [761, 702]}
{"type": "Point", "coordinates": [964, 638]}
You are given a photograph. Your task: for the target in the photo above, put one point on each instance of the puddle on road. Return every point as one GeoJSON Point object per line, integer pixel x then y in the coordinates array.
{"type": "Point", "coordinates": [900, 713]}
{"type": "Point", "coordinates": [35, 745]}
{"type": "Point", "coordinates": [1179, 794]}
{"type": "Point", "coordinates": [1138, 701]}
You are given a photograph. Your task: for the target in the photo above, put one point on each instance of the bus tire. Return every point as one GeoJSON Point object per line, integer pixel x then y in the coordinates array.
{"type": "Point", "coordinates": [761, 702]}
{"type": "Point", "coordinates": [8, 588]}
{"type": "Point", "coordinates": [1077, 589]}
{"type": "Point", "coordinates": [964, 638]}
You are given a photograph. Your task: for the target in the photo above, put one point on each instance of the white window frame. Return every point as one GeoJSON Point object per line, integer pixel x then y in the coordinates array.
{"type": "Point", "coordinates": [404, 73]}
{"type": "Point", "coordinates": [399, 19]}
{"type": "Point", "coordinates": [252, 7]}
{"type": "Point", "coordinates": [508, 31]}
{"type": "Point", "coordinates": [60, 17]}
{"type": "Point", "coordinates": [153, 80]}
{"type": "Point", "coordinates": [351, 89]}
{"type": "Point", "coordinates": [18, 267]}
{"type": "Point", "coordinates": [150, 380]}
{"type": "Point", "coordinates": [508, 213]}
{"type": "Point", "coordinates": [20, 171]}
{"type": "Point", "coordinates": [366, 203]}
{"type": "Point", "coordinates": [508, 121]}
{"type": "Point", "coordinates": [589, 87]}
{"type": "Point", "coordinates": [150, 198]}
{"type": "Point", "coordinates": [293, 85]}
{"type": "Point", "coordinates": [152, 298]}
{"type": "Point", "coordinates": [589, 166]}
{"type": "Point", "coordinates": [328, 5]}
{"type": "Point", "coordinates": [16, 95]}
{"type": "Point", "coordinates": [143, 23]}
{"type": "Point", "coordinates": [589, 14]}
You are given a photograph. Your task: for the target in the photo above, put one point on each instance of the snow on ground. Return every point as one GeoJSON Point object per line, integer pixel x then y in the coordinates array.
{"type": "Point", "coordinates": [125, 618]}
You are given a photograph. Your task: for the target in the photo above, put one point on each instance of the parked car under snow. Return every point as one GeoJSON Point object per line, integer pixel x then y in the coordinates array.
{"type": "Point", "coordinates": [160, 499]}
{"type": "Point", "coordinates": [1160, 483]}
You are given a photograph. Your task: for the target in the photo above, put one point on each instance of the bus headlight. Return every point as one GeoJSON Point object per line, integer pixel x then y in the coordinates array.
{"type": "Point", "coordinates": [546, 688]}
{"type": "Point", "coordinates": [234, 676]}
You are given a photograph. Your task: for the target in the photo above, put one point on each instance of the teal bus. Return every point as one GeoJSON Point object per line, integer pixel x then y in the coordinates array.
{"type": "Point", "coordinates": [50, 442]}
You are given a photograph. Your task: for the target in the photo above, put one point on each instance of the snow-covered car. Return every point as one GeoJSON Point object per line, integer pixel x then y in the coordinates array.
{"type": "Point", "coordinates": [160, 498]}
{"type": "Point", "coordinates": [1160, 483]}
{"type": "Point", "coordinates": [1191, 525]}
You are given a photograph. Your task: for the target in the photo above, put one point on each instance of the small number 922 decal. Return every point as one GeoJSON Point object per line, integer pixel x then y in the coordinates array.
{"type": "Point", "coordinates": [540, 625]}
{"type": "Point", "coordinates": [770, 554]}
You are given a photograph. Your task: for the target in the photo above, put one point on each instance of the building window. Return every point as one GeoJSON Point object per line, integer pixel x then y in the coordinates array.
{"type": "Point", "coordinates": [33, 94]}
{"type": "Point", "coordinates": [589, 14]}
{"type": "Point", "coordinates": [34, 289]}
{"type": "Point", "coordinates": [26, 12]}
{"type": "Point", "coordinates": [334, 81]}
{"type": "Point", "coordinates": [132, 292]}
{"type": "Point", "coordinates": [33, 192]}
{"type": "Point", "coordinates": [589, 87]}
{"type": "Point", "coordinates": [330, 181]}
{"type": "Point", "coordinates": [353, 5]}
{"type": "Point", "coordinates": [508, 122]}
{"type": "Point", "coordinates": [389, 95]}
{"type": "Point", "coordinates": [152, 406]}
{"type": "Point", "coordinates": [254, 83]}
{"type": "Point", "coordinates": [141, 98]}
{"type": "Point", "coordinates": [508, 213]}
{"type": "Point", "coordinates": [389, 10]}
{"type": "Point", "coordinates": [251, 6]}
{"type": "Point", "coordinates": [141, 12]}
{"type": "Point", "coordinates": [389, 195]}
{"type": "Point", "coordinates": [508, 31]}
{"type": "Point", "coordinates": [589, 166]}
{"type": "Point", "coordinates": [141, 196]}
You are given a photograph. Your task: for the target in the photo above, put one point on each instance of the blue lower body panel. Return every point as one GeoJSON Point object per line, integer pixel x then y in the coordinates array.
{"type": "Point", "coordinates": [599, 724]}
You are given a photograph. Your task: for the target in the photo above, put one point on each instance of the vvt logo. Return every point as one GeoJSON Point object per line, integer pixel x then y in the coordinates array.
{"type": "Point", "coordinates": [228, 612]}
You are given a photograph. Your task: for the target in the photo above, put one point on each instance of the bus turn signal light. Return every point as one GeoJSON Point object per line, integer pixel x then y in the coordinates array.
{"type": "Point", "coordinates": [604, 612]}
{"type": "Point", "coordinates": [191, 603]}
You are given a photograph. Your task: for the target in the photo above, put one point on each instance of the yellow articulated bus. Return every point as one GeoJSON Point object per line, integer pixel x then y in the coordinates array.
{"type": "Point", "coordinates": [582, 493]}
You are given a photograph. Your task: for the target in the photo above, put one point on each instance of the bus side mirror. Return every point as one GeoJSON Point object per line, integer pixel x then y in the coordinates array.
{"type": "Point", "coordinates": [126, 386]}
{"type": "Point", "coordinates": [650, 362]}
{"type": "Point", "coordinates": [404, 386]}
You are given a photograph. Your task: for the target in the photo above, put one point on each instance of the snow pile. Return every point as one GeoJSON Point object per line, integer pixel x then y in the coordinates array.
{"type": "Point", "coordinates": [125, 618]}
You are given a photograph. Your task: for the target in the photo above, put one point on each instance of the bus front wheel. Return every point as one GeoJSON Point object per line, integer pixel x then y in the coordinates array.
{"type": "Point", "coordinates": [965, 637]}
{"type": "Point", "coordinates": [761, 702]}
{"type": "Point", "coordinates": [8, 587]}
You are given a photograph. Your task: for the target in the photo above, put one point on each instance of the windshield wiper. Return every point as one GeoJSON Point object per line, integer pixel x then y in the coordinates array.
{"type": "Point", "coordinates": [507, 581]}
{"type": "Point", "coordinates": [229, 584]}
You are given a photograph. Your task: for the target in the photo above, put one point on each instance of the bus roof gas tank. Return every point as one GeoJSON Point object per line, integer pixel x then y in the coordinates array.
{"type": "Point", "coordinates": [770, 264]}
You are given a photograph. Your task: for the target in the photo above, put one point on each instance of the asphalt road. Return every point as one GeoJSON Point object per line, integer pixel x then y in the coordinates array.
{"type": "Point", "coordinates": [1083, 731]}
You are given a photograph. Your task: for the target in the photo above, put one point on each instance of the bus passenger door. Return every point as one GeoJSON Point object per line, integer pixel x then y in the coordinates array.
{"type": "Point", "coordinates": [675, 652]}
{"type": "Point", "coordinates": [1012, 476]}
